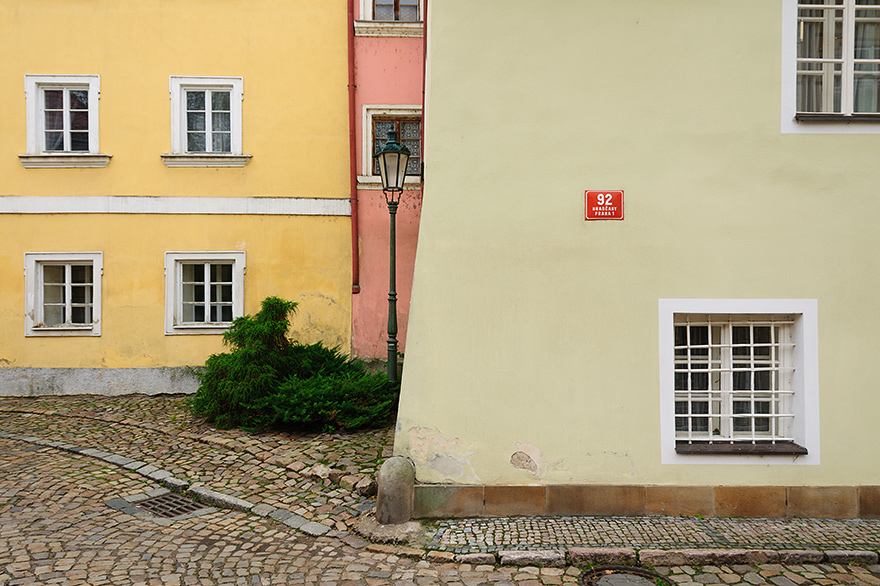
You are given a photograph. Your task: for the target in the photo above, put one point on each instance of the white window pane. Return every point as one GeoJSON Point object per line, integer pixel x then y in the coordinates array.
{"type": "Point", "coordinates": [221, 142]}
{"type": "Point", "coordinates": [53, 293]}
{"type": "Point", "coordinates": [220, 101]}
{"type": "Point", "coordinates": [195, 142]}
{"type": "Point", "coordinates": [53, 315]}
{"type": "Point", "coordinates": [195, 100]}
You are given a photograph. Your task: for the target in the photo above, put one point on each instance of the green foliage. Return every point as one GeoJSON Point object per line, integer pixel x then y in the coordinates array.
{"type": "Point", "coordinates": [269, 380]}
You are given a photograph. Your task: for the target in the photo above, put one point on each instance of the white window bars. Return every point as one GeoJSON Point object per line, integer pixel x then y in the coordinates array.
{"type": "Point", "coordinates": [733, 378]}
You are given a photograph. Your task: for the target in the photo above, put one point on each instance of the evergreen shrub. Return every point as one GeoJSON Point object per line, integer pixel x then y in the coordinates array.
{"type": "Point", "coordinates": [269, 380]}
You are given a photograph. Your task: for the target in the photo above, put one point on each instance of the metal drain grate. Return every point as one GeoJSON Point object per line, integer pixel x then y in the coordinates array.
{"type": "Point", "coordinates": [621, 576]}
{"type": "Point", "coordinates": [168, 505]}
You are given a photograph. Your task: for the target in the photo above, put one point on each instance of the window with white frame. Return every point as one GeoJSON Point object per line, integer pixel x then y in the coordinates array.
{"type": "Point", "coordinates": [63, 293]}
{"type": "Point", "coordinates": [204, 291]}
{"type": "Point", "coordinates": [396, 10]}
{"type": "Point", "coordinates": [206, 122]}
{"type": "Point", "coordinates": [390, 18]}
{"type": "Point", "coordinates": [831, 66]}
{"type": "Point", "coordinates": [738, 383]}
{"type": "Point", "coordinates": [62, 121]}
{"type": "Point", "coordinates": [378, 121]}
{"type": "Point", "coordinates": [838, 57]}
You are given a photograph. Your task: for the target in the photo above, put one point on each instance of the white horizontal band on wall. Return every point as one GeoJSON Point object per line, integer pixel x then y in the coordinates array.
{"type": "Point", "coordinates": [139, 204]}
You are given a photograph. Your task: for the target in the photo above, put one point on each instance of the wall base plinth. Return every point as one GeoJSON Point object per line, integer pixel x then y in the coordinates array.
{"type": "Point", "coordinates": [836, 502]}
{"type": "Point", "coordinates": [32, 382]}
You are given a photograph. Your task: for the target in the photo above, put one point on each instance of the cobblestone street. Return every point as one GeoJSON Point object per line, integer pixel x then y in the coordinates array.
{"type": "Point", "coordinates": [74, 469]}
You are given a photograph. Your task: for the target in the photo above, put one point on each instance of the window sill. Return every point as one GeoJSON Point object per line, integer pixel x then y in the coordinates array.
{"type": "Point", "coordinates": [200, 329]}
{"type": "Point", "coordinates": [383, 28]}
{"type": "Point", "coordinates": [64, 160]}
{"type": "Point", "coordinates": [68, 331]}
{"type": "Point", "coordinates": [205, 160]}
{"type": "Point", "coordinates": [411, 183]}
{"type": "Point", "coordinates": [827, 117]}
{"type": "Point", "coordinates": [740, 448]}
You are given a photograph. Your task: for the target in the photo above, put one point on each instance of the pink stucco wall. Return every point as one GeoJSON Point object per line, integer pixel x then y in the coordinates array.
{"type": "Point", "coordinates": [388, 71]}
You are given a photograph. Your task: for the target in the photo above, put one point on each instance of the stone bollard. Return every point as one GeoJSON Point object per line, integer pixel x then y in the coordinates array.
{"type": "Point", "coordinates": [394, 501]}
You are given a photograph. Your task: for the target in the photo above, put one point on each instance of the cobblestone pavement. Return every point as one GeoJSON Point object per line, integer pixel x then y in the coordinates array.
{"type": "Point", "coordinates": [71, 518]}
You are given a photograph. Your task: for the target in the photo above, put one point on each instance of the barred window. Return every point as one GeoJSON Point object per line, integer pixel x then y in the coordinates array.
{"type": "Point", "coordinates": [733, 381]}
{"type": "Point", "coordinates": [410, 132]}
{"type": "Point", "coordinates": [399, 10]}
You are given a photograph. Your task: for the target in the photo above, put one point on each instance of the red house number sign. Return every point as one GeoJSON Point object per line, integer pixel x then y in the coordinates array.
{"type": "Point", "coordinates": [604, 205]}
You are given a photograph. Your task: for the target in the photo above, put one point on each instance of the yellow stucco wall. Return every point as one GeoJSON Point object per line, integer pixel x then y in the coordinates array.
{"type": "Point", "coordinates": [532, 330]}
{"type": "Point", "coordinates": [292, 57]}
{"type": "Point", "coordinates": [294, 257]}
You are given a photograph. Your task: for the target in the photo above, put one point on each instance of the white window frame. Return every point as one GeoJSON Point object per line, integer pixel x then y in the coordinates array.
{"type": "Point", "coordinates": [33, 283]}
{"type": "Point", "coordinates": [174, 262]}
{"type": "Point", "coordinates": [804, 427]}
{"type": "Point", "coordinates": [37, 156]}
{"type": "Point", "coordinates": [179, 157]}
{"type": "Point", "coordinates": [367, 180]}
{"type": "Point", "coordinates": [367, 27]}
{"type": "Point", "coordinates": [845, 122]}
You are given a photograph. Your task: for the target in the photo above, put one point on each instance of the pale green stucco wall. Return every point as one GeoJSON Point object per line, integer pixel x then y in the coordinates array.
{"type": "Point", "coordinates": [533, 330]}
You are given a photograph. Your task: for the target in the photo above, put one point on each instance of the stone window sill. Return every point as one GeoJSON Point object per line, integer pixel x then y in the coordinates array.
{"type": "Point", "coordinates": [205, 160]}
{"type": "Point", "coordinates": [375, 28]}
{"type": "Point", "coordinates": [63, 160]}
{"type": "Point", "coordinates": [740, 448]}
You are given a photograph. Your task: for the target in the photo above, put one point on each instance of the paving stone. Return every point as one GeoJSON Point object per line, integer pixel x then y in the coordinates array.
{"type": "Point", "coordinates": [313, 528]}
{"type": "Point", "coordinates": [294, 521]}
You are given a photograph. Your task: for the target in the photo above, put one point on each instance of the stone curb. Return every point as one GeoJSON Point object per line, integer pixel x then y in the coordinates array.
{"type": "Point", "coordinates": [167, 480]}
{"type": "Point", "coordinates": [596, 556]}
{"type": "Point", "coordinates": [219, 499]}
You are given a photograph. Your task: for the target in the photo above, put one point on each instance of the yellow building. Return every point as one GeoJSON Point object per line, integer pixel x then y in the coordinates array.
{"type": "Point", "coordinates": [647, 275]}
{"type": "Point", "coordinates": [165, 166]}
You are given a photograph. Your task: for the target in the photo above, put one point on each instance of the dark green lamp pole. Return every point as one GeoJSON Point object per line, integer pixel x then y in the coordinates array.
{"type": "Point", "coordinates": [392, 161]}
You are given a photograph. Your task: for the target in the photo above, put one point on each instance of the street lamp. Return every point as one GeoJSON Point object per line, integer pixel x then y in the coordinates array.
{"type": "Point", "coordinates": [392, 161]}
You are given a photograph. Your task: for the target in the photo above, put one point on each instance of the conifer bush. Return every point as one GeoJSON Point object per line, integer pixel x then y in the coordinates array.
{"type": "Point", "coordinates": [269, 380]}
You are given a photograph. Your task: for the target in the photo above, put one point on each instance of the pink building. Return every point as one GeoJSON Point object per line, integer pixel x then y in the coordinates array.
{"type": "Point", "coordinates": [386, 73]}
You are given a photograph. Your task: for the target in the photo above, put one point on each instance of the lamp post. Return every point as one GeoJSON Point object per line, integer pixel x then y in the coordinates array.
{"type": "Point", "coordinates": [392, 161]}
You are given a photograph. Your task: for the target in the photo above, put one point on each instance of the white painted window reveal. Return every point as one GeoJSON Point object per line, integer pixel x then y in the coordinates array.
{"type": "Point", "coordinates": [739, 381]}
